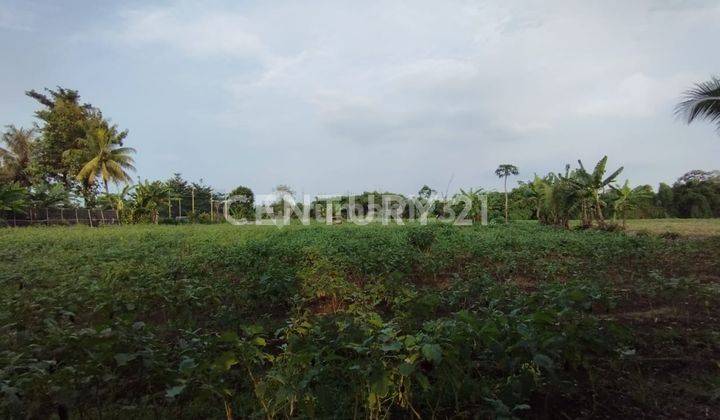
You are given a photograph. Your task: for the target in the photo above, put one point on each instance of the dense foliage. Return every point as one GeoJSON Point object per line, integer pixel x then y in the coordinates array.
{"type": "Point", "coordinates": [213, 321]}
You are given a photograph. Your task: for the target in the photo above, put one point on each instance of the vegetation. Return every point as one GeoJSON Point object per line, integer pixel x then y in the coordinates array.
{"type": "Point", "coordinates": [702, 102]}
{"type": "Point", "coordinates": [504, 171]}
{"type": "Point", "coordinates": [377, 321]}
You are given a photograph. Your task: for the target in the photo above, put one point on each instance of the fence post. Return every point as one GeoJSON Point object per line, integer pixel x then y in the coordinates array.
{"type": "Point", "coordinates": [47, 216]}
{"type": "Point", "coordinates": [77, 220]}
{"type": "Point", "coordinates": [102, 216]}
{"type": "Point", "coordinates": [212, 211]}
{"type": "Point", "coordinates": [62, 219]}
{"type": "Point", "coordinates": [89, 217]}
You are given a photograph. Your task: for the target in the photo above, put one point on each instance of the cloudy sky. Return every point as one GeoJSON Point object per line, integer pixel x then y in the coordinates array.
{"type": "Point", "coordinates": [334, 96]}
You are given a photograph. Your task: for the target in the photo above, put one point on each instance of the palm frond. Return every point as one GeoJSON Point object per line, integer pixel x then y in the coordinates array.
{"type": "Point", "coordinates": [701, 102]}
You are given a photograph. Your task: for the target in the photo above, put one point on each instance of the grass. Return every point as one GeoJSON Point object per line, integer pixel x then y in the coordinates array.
{"type": "Point", "coordinates": [323, 321]}
{"type": "Point", "coordinates": [684, 227]}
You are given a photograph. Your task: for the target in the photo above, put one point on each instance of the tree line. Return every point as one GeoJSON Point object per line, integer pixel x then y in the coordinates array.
{"type": "Point", "coordinates": [72, 153]}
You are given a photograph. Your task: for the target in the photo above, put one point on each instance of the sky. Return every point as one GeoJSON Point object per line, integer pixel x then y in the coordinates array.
{"type": "Point", "coordinates": [333, 97]}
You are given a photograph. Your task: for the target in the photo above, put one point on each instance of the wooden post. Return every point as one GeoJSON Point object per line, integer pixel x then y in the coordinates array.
{"type": "Point", "coordinates": [47, 216]}
{"type": "Point", "coordinates": [192, 198]}
{"type": "Point", "coordinates": [169, 208]}
{"type": "Point", "coordinates": [212, 211]}
{"type": "Point", "coordinates": [62, 219]}
{"type": "Point", "coordinates": [77, 219]}
{"type": "Point", "coordinates": [179, 207]}
{"type": "Point", "coordinates": [89, 217]}
{"type": "Point", "coordinates": [102, 216]}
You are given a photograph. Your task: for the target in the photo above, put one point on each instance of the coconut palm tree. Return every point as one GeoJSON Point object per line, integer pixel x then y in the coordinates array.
{"type": "Point", "coordinates": [106, 157]}
{"type": "Point", "coordinates": [504, 171]}
{"type": "Point", "coordinates": [16, 157]}
{"type": "Point", "coordinates": [702, 102]}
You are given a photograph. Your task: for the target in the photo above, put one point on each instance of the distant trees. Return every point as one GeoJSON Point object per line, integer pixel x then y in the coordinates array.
{"type": "Point", "coordinates": [504, 171]}
{"type": "Point", "coordinates": [16, 155]}
{"type": "Point", "coordinates": [702, 102]}
{"type": "Point", "coordinates": [244, 208]}
{"type": "Point", "coordinates": [697, 194]}
{"type": "Point", "coordinates": [75, 148]}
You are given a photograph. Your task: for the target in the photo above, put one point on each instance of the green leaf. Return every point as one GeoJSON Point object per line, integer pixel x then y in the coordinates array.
{"type": "Point", "coordinates": [406, 369]}
{"type": "Point", "coordinates": [227, 360]}
{"type": "Point", "coordinates": [391, 347]}
{"type": "Point", "coordinates": [432, 352]}
{"type": "Point", "coordinates": [259, 341]}
{"type": "Point", "coordinates": [252, 329]}
{"type": "Point", "coordinates": [123, 359]}
{"type": "Point", "coordinates": [543, 361]}
{"type": "Point", "coordinates": [187, 365]}
{"type": "Point", "coordinates": [174, 391]}
{"type": "Point", "coordinates": [229, 337]}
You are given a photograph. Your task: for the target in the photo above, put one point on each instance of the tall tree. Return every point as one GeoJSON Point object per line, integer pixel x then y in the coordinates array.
{"type": "Point", "coordinates": [702, 101]}
{"type": "Point", "coordinates": [16, 157]}
{"type": "Point", "coordinates": [504, 171]}
{"type": "Point", "coordinates": [63, 125]}
{"type": "Point", "coordinates": [104, 155]}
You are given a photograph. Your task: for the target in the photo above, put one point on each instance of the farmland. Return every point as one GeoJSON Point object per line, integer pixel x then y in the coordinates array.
{"type": "Point", "coordinates": [369, 321]}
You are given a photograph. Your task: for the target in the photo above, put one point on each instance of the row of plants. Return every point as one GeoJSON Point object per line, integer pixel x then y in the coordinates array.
{"type": "Point", "coordinates": [373, 321]}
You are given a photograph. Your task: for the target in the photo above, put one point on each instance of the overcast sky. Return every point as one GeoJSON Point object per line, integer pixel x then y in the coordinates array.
{"type": "Point", "coordinates": [331, 97]}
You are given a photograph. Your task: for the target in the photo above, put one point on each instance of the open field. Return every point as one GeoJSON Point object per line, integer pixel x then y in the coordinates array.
{"type": "Point", "coordinates": [684, 227]}
{"type": "Point", "coordinates": [215, 321]}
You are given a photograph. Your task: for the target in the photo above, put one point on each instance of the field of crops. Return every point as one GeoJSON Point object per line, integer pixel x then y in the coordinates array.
{"type": "Point", "coordinates": [357, 321]}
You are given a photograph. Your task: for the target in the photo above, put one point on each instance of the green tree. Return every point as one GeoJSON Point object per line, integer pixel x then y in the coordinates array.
{"type": "Point", "coordinates": [702, 101]}
{"type": "Point", "coordinates": [16, 157]}
{"type": "Point", "coordinates": [664, 199]}
{"type": "Point", "coordinates": [147, 199]}
{"type": "Point", "coordinates": [504, 171]}
{"type": "Point", "coordinates": [630, 199]}
{"type": "Point", "coordinates": [104, 155]}
{"type": "Point", "coordinates": [117, 201]}
{"type": "Point", "coordinates": [244, 208]}
{"type": "Point", "coordinates": [44, 195]}
{"type": "Point", "coordinates": [697, 194]}
{"type": "Point", "coordinates": [593, 183]}
{"type": "Point", "coordinates": [63, 125]}
{"type": "Point", "coordinates": [13, 198]}
{"type": "Point", "coordinates": [535, 194]}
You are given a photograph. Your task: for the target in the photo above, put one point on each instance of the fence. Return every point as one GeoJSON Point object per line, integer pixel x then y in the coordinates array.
{"type": "Point", "coordinates": [59, 216]}
{"type": "Point", "coordinates": [66, 216]}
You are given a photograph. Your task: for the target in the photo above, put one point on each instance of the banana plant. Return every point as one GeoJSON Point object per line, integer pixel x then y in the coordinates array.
{"type": "Point", "coordinates": [629, 199]}
{"type": "Point", "coordinates": [593, 183]}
